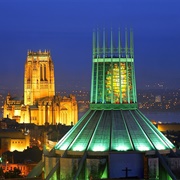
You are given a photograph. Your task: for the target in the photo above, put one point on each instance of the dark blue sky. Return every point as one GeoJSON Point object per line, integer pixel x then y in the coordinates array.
{"type": "Point", "coordinates": [65, 28]}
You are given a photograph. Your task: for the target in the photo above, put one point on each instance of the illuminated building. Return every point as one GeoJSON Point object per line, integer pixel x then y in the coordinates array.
{"type": "Point", "coordinates": [158, 98]}
{"type": "Point", "coordinates": [113, 139]}
{"type": "Point", "coordinates": [165, 127]}
{"type": "Point", "coordinates": [11, 140]}
{"type": "Point", "coordinates": [24, 168]}
{"type": "Point", "coordinates": [39, 79]}
{"type": "Point", "coordinates": [40, 104]}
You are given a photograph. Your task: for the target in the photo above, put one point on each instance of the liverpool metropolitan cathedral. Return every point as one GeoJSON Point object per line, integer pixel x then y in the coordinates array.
{"type": "Point", "coordinates": [40, 104]}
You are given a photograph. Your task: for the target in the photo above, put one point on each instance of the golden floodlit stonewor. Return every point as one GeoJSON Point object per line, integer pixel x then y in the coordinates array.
{"type": "Point", "coordinates": [40, 104]}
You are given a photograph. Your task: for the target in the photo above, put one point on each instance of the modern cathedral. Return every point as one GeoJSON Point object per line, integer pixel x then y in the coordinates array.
{"type": "Point", "coordinates": [40, 104]}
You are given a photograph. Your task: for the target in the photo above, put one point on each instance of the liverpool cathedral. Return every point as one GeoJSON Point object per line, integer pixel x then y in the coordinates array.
{"type": "Point", "coordinates": [40, 104]}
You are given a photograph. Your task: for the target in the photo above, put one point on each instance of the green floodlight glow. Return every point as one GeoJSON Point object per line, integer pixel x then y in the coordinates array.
{"type": "Point", "coordinates": [0, 159]}
{"type": "Point", "coordinates": [64, 146]}
{"type": "Point", "coordinates": [122, 148]}
{"type": "Point", "coordinates": [99, 148]}
{"type": "Point", "coordinates": [160, 147]}
{"type": "Point", "coordinates": [79, 148]}
{"type": "Point", "coordinates": [143, 148]}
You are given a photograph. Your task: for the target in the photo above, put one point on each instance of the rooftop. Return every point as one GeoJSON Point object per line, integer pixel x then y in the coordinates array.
{"type": "Point", "coordinates": [114, 130]}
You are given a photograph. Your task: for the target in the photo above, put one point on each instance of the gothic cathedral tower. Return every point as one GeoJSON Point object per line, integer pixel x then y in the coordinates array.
{"type": "Point", "coordinates": [39, 79]}
{"type": "Point", "coordinates": [41, 105]}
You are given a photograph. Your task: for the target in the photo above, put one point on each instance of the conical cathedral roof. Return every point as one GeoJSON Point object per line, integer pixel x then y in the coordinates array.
{"type": "Point", "coordinates": [114, 130]}
{"type": "Point", "coordinates": [113, 122]}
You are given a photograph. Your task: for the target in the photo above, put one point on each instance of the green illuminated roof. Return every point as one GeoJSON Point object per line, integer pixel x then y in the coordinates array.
{"type": "Point", "coordinates": [113, 122]}
{"type": "Point", "coordinates": [114, 130]}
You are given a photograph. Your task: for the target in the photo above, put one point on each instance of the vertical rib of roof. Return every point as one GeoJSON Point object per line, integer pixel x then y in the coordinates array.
{"type": "Point", "coordinates": [72, 129]}
{"type": "Point", "coordinates": [163, 139]}
{"type": "Point", "coordinates": [143, 131]}
{"type": "Point", "coordinates": [127, 129]}
{"type": "Point", "coordinates": [82, 129]}
{"type": "Point", "coordinates": [82, 141]}
{"type": "Point", "coordinates": [95, 129]}
{"type": "Point", "coordinates": [75, 137]}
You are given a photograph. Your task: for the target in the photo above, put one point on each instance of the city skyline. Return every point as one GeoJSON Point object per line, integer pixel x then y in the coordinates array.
{"type": "Point", "coordinates": [65, 29]}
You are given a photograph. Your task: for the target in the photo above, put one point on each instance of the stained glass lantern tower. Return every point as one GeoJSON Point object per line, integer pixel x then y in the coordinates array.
{"type": "Point", "coordinates": [113, 83]}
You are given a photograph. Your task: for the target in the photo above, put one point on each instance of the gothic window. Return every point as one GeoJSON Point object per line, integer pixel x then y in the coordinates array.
{"type": "Point", "coordinates": [44, 72]}
{"type": "Point", "coordinates": [41, 73]}
{"type": "Point", "coordinates": [29, 73]}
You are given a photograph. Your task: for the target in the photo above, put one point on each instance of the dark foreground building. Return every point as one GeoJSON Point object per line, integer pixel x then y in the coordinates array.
{"type": "Point", "coordinates": [113, 139]}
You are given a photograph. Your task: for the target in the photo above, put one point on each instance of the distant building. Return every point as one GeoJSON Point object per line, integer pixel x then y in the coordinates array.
{"type": "Point", "coordinates": [158, 98]}
{"type": "Point", "coordinates": [24, 168]}
{"type": "Point", "coordinates": [11, 140]}
{"type": "Point", "coordinates": [163, 127]}
{"type": "Point", "coordinates": [40, 104]}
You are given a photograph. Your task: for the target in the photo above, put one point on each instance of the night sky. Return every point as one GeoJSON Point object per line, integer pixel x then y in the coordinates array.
{"type": "Point", "coordinates": [65, 28]}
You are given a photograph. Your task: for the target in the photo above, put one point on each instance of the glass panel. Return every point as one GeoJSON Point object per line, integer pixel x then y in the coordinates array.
{"type": "Point", "coordinates": [140, 140]}
{"type": "Point", "coordinates": [123, 82]}
{"type": "Point", "coordinates": [84, 137]}
{"type": "Point", "coordinates": [108, 83]}
{"type": "Point", "coordinates": [158, 140]}
{"type": "Point", "coordinates": [120, 140]}
{"type": "Point", "coordinates": [116, 82]}
{"type": "Point", "coordinates": [64, 143]}
{"type": "Point", "coordinates": [101, 139]}
{"type": "Point", "coordinates": [94, 83]}
{"type": "Point", "coordinates": [100, 83]}
{"type": "Point", "coordinates": [113, 81]}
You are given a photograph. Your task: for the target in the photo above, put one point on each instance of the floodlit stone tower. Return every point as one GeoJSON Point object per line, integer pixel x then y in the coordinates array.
{"type": "Point", "coordinates": [40, 104]}
{"type": "Point", "coordinates": [39, 78]}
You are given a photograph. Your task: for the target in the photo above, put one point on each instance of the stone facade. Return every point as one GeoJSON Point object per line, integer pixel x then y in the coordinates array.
{"type": "Point", "coordinates": [11, 140]}
{"type": "Point", "coordinates": [40, 105]}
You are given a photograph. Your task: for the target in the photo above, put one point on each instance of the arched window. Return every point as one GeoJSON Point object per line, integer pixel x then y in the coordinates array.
{"type": "Point", "coordinates": [29, 73]}
{"type": "Point", "coordinates": [41, 73]}
{"type": "Point", "coordinates": [44, 72]}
